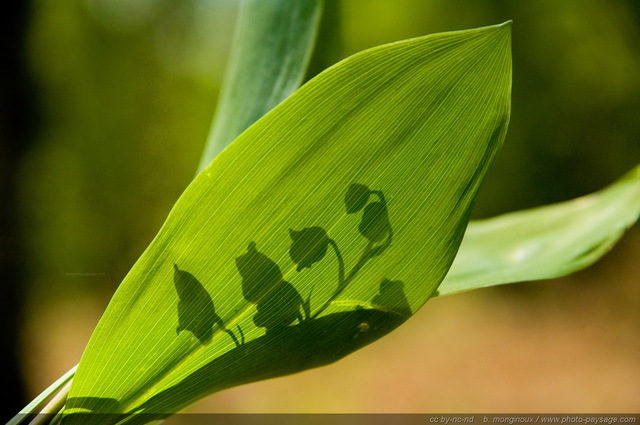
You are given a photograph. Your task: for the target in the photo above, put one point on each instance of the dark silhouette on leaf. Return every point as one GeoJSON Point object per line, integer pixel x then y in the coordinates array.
{"type": "Point", "coordinates": [356, 197]}
{"type": "Point", "coordinates": [278, 303]}
{"type": "Point", "coordinates": [309, 246]}
{"type": "Point", "coordinates": [392, 297]}
{"type": "Point", "coordinates": [280, 308]}
{"type": "Point", "coordinates": [259, 274]}
{"type": "Point", "coordinates": [375, 224]}
{"type": "Point", "coordinates": [196, 312]}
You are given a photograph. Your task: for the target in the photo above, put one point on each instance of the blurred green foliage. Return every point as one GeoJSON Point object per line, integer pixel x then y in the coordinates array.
{"type": "Point", "coordinates": [127, 90]}
{"type": "Point", "coordinates": [128, 93]}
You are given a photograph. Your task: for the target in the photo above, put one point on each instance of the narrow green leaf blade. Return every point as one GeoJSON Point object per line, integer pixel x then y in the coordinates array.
{"type": "Point", "coordinates": [545, 242]}
{"type": "Point", "coordinates": [320, 229]}
{"type": "Point", "coordinates": [269, 57]}
{"type": "Point", "coordinates": [37, 402]}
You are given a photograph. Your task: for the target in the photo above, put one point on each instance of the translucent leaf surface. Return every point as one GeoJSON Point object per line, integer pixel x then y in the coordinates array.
{"type": "Point", "coordinates": [269, 56]}
{"type": "Point", "coordinates": [545, 242]}
{"type": "Point", "coordinates": [267, 266]}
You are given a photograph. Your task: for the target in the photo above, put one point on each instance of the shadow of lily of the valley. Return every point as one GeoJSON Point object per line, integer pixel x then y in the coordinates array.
{"type": "Point", "coordinates": [196, 311]}
{"type": "Point", "coordinates": [294, 339]}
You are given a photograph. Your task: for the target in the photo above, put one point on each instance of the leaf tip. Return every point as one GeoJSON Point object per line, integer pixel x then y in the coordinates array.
{"type": "Point", "coordinates": [504, 28]}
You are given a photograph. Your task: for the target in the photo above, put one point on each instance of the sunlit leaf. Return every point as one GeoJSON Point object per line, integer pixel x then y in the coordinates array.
{"type": "Point", "coordinates": [269, 56]}
{"type": "Point", "coordinates": [545, 242]}
{"type": "Point", "coordinates": [262, 269]}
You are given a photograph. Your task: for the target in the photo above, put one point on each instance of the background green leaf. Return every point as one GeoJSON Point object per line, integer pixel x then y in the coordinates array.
{"type": "Point", "coordinates": [544, 242]}
{"type": "Point", "coordinates": [418, 122]}
{"type": "Point", "coordinates": [271, 50]}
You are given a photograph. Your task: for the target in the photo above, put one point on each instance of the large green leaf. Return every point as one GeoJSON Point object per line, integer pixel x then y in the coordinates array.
{"type": "Point", "coordinates": [320, 229]}
{"type": "Point", "coordinates": [486, 257]}
{"type": "Point", "coordinates": [544, 242]}
{"type": "Point", "coordinates": [269, 56]}
{"type": "Point", "coordinates": [578, 232]}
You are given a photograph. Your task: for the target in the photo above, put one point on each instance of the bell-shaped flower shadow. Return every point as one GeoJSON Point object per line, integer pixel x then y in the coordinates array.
{"type": "Point", "coordinates": [259, 274]}
{"type": "Point", "coordinates": [196, 312]}
{"type": "Point", "coordinates": [278, 303]}
{"type": "Point", "coordinates": [391, 297]}
{"type": "Point", "coordinates": [356, 197]}
{"type": "Point", "coordinates": [375, 224]}
{"type": "Point", "coordinates": [281, 308]}
{"type": "Point", "coordinates": [308, 246]}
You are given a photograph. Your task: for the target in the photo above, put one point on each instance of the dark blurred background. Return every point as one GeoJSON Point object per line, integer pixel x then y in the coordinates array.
{"type": "Point", "coordinates": [105, 106]}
